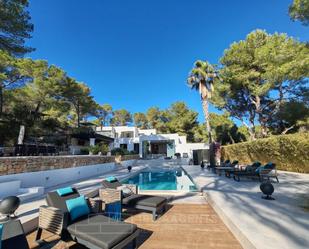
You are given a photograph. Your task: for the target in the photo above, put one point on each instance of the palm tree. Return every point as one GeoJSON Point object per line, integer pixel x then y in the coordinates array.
{"type": "Point", "coordinates": [202, 78]}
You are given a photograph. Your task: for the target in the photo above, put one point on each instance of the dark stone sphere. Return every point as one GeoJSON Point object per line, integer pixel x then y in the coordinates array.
{"type": "Point", "coordinates": [9, 205]}
{"type": "Point", "coordinates": [267, 188]}
{"type": "Point", "coordinates": [202, 165]}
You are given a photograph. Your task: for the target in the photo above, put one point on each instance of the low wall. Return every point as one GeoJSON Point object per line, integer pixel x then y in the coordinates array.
{"type": "Point", "coordinates": [289, 152]}
{"type": "Point", "coordinates": [50, 171]}
{"type": "Point", "coordinates": [17, 165]}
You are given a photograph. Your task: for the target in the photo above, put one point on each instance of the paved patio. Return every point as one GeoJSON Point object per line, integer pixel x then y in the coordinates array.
{"type": "Point", "coordinates": [183, 226]}
{"type": "Point", "coordinates": [28, 210]}
{"type": "Point", "coordinates": [258, 223]}
{"type": "Point", "coordinates": [255, 222]}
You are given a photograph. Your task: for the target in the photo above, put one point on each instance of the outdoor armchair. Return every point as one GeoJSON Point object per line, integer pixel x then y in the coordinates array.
{"type": "Point", "coordinates": [93, 230]}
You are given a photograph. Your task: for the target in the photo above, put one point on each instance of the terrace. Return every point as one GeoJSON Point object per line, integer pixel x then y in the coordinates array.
{"type": "Point", "coordinates": [222, 213]}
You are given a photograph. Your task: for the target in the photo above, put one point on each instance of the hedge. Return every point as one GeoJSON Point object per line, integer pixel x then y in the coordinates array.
{"type": "Point", "coordinates": [289, 152]}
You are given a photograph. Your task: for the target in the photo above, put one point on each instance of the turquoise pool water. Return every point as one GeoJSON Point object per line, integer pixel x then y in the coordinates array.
{"type": "Point", "coordinates": [171, 179]}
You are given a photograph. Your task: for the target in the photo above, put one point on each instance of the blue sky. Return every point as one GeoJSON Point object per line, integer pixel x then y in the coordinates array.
{"type": "Point", "coordinates": [137, 54]}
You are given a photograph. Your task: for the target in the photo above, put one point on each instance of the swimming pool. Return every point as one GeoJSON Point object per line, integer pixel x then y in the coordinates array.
{"type": "Point", "coordinates": [162, 179]}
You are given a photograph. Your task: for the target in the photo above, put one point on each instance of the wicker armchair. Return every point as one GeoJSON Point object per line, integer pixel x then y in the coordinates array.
{"type": "Point", "coordinates": [50, 219]}
{"type": "Point", "coordinates": [55, 220]}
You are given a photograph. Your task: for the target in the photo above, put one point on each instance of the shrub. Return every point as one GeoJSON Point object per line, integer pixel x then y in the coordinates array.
{"type": "Point", "coordinates": [94, 149]}
{"type": "Point", "coordinates": [84, 151]}
{"type": "Point", "coordinates": [119, 151]}
{"type": "Point", "coordinates": [103, 148]}
{"type": "Point", "coordinates": [289, 152]}
{"type": "Point", "coordinates": [122, 152]}
{"type": "Point", "coordinates": [132, 152]}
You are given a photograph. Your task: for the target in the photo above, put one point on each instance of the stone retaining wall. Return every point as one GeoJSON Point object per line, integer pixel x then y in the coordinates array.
{"type": "Point", "coordinates": [17, 165]}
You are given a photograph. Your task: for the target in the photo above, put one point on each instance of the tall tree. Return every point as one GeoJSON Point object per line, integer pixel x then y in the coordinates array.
{"type": "Point", "coordinates": [290, 117]}
{"type": "Point", "coordinates": [140, 120]}
{"type": "Point", "coordinates": [8, 75]}
{"type": "Point", "coordinates": [78, 95]}
{"type": "Point", "coordinates": [44, 84]}
{"type": "Point", "coordinates": [202, 78]}
{"type": "Point", "coordinates": [104, 114]}
{"type": "Point", "coordinates": [157, 119]}
{"type": "Point", "coordinates": [181, 120]}
{"type": "Point", "coordinates": [15, 27]}
{"type": "Point", "coordinates": [259, 74]}
{"type": "Point", "coordinates": [225, 130]}
{"type": "Point", "coordinates": [299, 11]}
{"type": "Point", "coordinates": [13, 73]}
{"type": "Point", "coordinates": [121, 117]}
{"type": "Point", "coordinates": [200, 134]}
{"type": "Point", "coordinates": [31, 104]}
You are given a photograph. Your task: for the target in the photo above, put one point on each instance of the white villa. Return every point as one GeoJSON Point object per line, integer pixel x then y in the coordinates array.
{"type": "Point", "coordinates": [146, 142]}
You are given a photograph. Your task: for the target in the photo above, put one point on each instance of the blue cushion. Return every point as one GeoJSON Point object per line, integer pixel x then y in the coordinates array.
{"type": "Point", "coordinates": [65, 191]}
{"type": "Point", "coordinates": [77, 207]}
{"type": "Point", "coordinates": [111, 179]}
{"type": "Point", "coordinates": [259, 169]}
{"type": "Point", "coordinates": [1, 228]}
{"type": "Point", "coordinates": [269, 165]}
{"type": "Point", "coordinates": [113, 210]}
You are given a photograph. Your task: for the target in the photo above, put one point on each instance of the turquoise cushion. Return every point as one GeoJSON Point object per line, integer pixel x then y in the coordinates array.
{"type": "Point", "coordinates": [65, 191]}
{"type": "Point", "coordinates": [1, 228]}
{"type": "Point", "coordinates": [111, 179]}
{"type": "Point", "coordinates": [77, 207]}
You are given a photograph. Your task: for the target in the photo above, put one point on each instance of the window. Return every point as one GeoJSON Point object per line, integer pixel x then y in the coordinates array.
{"type": "Point", "coordinates": [124, 146]}
{"type": "Point", "coordinates": [127, 134]}
{"type": "Point", "coordinates": [136, 148]}
{"type": "Point", "coordinates": [81, 142]}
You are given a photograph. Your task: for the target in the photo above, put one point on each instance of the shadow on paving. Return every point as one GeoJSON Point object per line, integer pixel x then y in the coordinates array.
{"type": "Point", "coordinates": [249, 200]}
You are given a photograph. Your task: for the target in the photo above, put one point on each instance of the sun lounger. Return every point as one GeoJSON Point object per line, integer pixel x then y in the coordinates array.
{"type": "Point", "coordinates": [261, 173]}
{"type": "Point", "coordinates": [92, 230]}
{"type": "Point", "coordinates": [248, 168]}
{"type": "Point", "coordinates": [133, 200]}
{"type": "Point", "coordinates": [227, 166]}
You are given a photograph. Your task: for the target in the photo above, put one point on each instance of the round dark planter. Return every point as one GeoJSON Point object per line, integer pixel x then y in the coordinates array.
{"type": "Point", "coordinates": [9, 205]}
{"type": "Point", "coordinates": [129, 168]}
{"type": "Point", "coordinates": [267, 189]}
{"type": "Point", "coordinates": [202, 165]}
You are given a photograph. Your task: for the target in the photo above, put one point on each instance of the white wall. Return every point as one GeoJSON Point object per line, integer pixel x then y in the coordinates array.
{"type": "Point", "coordinates": [147, 131]}
{"type": "Point", "coordinates": [50, 178]}
{"type": "Point", "coordinates": [181, 145]}
{"type": "Point", "coordinates": [9, 188]}
{"type": "Point", "coordinates": [189, 147]}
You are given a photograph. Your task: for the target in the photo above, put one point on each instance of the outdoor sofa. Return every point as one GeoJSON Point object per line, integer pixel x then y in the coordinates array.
{"type": "Point", "coordinates": [132, 200]}
{"type": "Point", "coordinates": [93, 230]}
{"type": "Point", "coordinates": [267, 171]}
